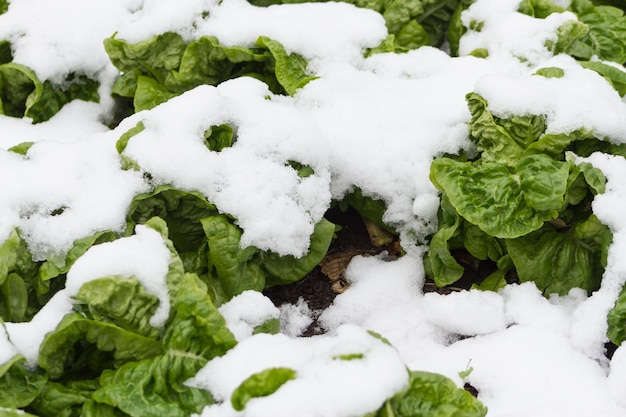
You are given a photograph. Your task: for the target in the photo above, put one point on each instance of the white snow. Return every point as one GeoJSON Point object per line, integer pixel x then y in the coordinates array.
{"type": "Point", "coordinates": [325, 385]}
{"type": "Point", "coordinates": [372, 123]}
{"type": "Point", "coordinates": [296, 318]}
{"type": "Point", "coordinates": [246, 311]}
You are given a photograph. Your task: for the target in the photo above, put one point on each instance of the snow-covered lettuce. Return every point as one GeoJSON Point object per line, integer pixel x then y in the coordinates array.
{"type": "Point", "coordinates": [157, 69]}
{"type": "Point", "coordinates": [107, 358]}
{"type": "Point", "coordinates": [432, 395]}
{"type": "Point", "coordinates": [523, 203]}
{"type": "Point", "coordinates": [209, 244]}
{"type": "Point", "coordinates": [23, 94]}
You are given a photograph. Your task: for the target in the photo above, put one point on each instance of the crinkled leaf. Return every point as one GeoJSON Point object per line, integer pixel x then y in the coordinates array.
{"type": "Point", "coordinates": [155, 56]}
{"type": "Point", "coordinates": [22, 94]}
{"type": "Point", "coordinates": [156, 386]}
{"type": "Point", "coordinates": [181, 210]}
{"type": "Point", "coordinates": [150, 93]}
{"type": "Point", "coordinates": [539, 8]}
{"type": "Point", "coordinates": [261, 384]}
{"type": "Point", "coordinates": [568, 39]}
{"type": "Point", "coordinates": [219, 137]}
{"type": "Point", "coordinates": [290, 69]}
{"type": "Point", "coordinates": [65, 399]}
{"type": "Point", "coordinates": [432, 395]}
{"type": "Point", "coordinates": [504, 202]}
{"type": "Point", "coordinates": [559, 260]}
{"type": "Point", "coordinates": [606, 38]}
{"type": "Point", "coordinates": [205, 61]}
{"type": "Point", "coordinates": [58, 351]}
{"type": "Point", "coordinates": [493, 141]}
{"type": "Point", "coordinates": [121, 301]}
{"type": "Point", "coordinates": [18, 386]}
{"type": "Point", "coordinates": [235, 267]}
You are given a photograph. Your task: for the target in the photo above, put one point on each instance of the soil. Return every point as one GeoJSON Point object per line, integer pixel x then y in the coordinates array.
{"type": "Point", "coordinates": [320, 287]}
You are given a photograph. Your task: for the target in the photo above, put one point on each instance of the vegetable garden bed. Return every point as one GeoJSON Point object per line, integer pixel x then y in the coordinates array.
{"type": "Point", "coordinates": [254, 208]}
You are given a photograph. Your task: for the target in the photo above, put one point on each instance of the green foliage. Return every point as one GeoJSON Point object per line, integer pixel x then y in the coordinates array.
{"type": "Point", "coordinates": [261, 384]}
{"type": "Point", "coordinates": [432, 395]}
{"type": "Point", "coordinates": [22, 94]}
{"type": "Point", "coordinates": [617, 320]}
{"type": "Point", "coordinates": [522, 204]}
{"type": "Point", "coordinates": [157, 69]}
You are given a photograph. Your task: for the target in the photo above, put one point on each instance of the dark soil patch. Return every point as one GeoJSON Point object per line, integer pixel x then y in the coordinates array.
{"type": "Point", "coordinates": [352, 239]}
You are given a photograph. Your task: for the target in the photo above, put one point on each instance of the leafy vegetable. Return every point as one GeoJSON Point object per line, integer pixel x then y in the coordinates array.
{"type": "Point", "coordinates": [22, 94]}
{"type": "Point", "coordinates": [523, 204]}
{"type": "Point", "coordinates": [106, 358]}
{"type": "Point", "coordinates": [617, 320]}
{"type": "Point", "coordinates": [261, 384]}
{"type": "Point", "coordinates": [209, 244]}
{"type": "Point", "coordinates": [157, 69]}
{"type": "Point", "coordinates": [432, 395]}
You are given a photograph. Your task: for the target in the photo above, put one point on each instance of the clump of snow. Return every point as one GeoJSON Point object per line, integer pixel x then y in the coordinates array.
{"type": "Point", "coordinates": [61, 192]}
{"type": "Point", "coordinates": [252, 180]}
{"type": "Point", "coordinates": [7, 349]}
{"type": "Point", "coordinates": [81, 115]}
{"type": "Point", "coordinates": [593, 104]}
{"type": "Point", "coordinates": [326, 384]}
{"type": "Point", "coordinates": [589, 330]}
{"type": "Point", "coordinates": [513, 40]}
{"type": "Point", "coordinates": [296, 318]}
{"type": "Point", "coordinates": [466, 313]}
{"type": "Point", "coordinates": [616, 382]}
{"type": "Point", "coordinates": [323, 34]}
{"type": "Point", "coordinates": [27, 336]}
{"type": "Point", "coordinates": [143, 256]}
{"type": "Point", "coordinates": [246, 311]}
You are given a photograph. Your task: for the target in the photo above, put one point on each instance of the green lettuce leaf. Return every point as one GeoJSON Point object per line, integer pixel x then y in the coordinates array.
{"type": "Point", "coordinates": [261, 384]}
{"type": "Point", "coordinates": [617, 320]}
{"type": "Point", "coordinates": [57, 356]}
{"type": "Point", "coordinates": [557, 260]}
{"type": "Point", "coordinates": [22, 94]}
{"type": "Point", "coordinates": [440, 263]}
{"type": "Point", "coordinates": [606, 38]}
{"type": "Point", "coordinates": [18, 386]}
{"type": "Point", "coordinates": [501, 140]}
{"type": "Point", "coordinates": [157, 69]}
{"type": "Point", "coordinates": [288, 269]}
{"type": "Point", "coordinates": [539, 8]}
{"type": "Point", "coordinates": [290, 69]}
{"type": "Point", "coordinates": [121, 301]}
{"type": "Point", "coordinates": [432, 395]}
{"type": "Point", "coordinates": [504, 202]}
{"type": "Point", "coordinates": [236, 268]}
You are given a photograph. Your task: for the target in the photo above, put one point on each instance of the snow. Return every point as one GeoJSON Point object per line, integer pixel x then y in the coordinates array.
{"type": "Point", "coordinates": [246, 311]}
{"type": "Point", "coordinates": [319, 388]}
{"type": "Point", "coordinates": [372, 123]}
